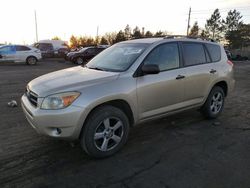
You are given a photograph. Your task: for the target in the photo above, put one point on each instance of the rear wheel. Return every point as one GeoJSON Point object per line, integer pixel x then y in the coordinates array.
{"type": "Point", "coordinates": [105, 132]}
{"type": "Point", "coordinates": [214, 103]}
{"type": "Point", "coordinates": [31, 60]}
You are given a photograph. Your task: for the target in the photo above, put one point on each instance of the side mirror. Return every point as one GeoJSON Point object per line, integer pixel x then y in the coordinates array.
{"type": "Point", "coordinates": [1, 56]}
{"type": "Point", "coordinates": [150, 69]}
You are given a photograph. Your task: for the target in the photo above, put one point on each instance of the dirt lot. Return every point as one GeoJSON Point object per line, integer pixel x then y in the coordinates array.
{"type": "Point", "coordinates": [183, 150]}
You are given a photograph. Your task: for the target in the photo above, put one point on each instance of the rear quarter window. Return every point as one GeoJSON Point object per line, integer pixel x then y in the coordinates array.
{"type": "Point", "coordinates": [214, 51]}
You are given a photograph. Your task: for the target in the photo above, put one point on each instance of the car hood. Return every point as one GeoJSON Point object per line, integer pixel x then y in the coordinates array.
{"type": "Point", "coordinates": [71, 79]}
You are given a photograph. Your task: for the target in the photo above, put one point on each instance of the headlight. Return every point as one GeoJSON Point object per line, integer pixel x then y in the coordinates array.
{"type": "Point", "coordinates": [59, 101]}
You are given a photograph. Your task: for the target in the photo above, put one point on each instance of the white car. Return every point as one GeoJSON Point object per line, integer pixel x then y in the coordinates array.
{"type": "Point", "coordinates": [20, 53]}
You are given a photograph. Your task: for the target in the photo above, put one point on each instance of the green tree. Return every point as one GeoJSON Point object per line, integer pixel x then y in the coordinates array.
{"type": "Point", "coordinates": [82, 40]}
{"type": "Point", "coordinates": [56, 38]}
{"type": "Point", "coordinates": [214, 26]}
{"type": "Point", "coordinates": [110, 37]}
{"type": "Point", "coordinates": [148, 34]}
{"type": "Point", "coordinates": [104, 41]}
{"type": "Point", "coordinates": [127, 32]}
{"type": "Point", "coordinates": [194, 32]}
{"type": "Point", "coordinates": [233, 28]}
{"type": "Point", "coordinates": [90, 41]}
{"type": "Point", "coordinates": [120, 36]}
{"type": "Point", "coordinates": [159, 34]}
{"type": "Point", "coordinates": [73, 41]}
{"type": "Point", "coordinates": [233, 20]}
{"type": "Point", "coordinates": [239, 38]}
{"type": "Point", "coordinates": [97, 40]}
{"type": "Point", "coordinates": [137, 33]}
{"type": "Point", "coordinates": [204, 34]}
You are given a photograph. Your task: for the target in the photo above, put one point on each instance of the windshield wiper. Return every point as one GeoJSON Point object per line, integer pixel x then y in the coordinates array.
{"type": "Point", "coordinates": [95, 68]}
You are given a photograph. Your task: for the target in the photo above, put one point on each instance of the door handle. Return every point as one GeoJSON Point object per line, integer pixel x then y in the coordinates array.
{"type": "Point", "coordinates": [212, 71]}
{"type": "Point", "coordinates": [179, 77]}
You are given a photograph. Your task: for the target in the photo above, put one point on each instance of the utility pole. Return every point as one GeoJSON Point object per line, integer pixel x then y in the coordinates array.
{"type": "Point", "coordinates": [36, 28]}
{"type": "Point", "coordinates": [97, 31]}
{"type": "Point", "coordinates": [188, 21]}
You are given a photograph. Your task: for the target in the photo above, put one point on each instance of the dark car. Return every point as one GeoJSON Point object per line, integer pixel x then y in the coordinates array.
{"type": "Point", "coordinates": [229, 54]}
{"type": "Point", "coordinates": [46, 49]}
{"type": "Point", "coordinates": [83, 55]}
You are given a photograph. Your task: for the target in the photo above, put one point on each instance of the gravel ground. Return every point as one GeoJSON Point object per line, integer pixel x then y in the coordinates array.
{"type": "Point", "coordinates": [183, 150]}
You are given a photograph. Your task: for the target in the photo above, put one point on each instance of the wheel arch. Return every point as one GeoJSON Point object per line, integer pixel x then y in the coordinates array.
{"type": "Point", "coordinates": [30, 57]}
{"type": "Point", "coordinates": [223, 85]}
{"type": "Point", "coordinates": [118, 103]}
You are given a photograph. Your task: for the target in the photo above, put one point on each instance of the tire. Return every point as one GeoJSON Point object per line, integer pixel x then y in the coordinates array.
{"type": "Point", "coordinates": [31, 60]}
{"type": "Point", "coordinates": [105, 132]}
{"type": "Point", "coordinates": [214, 103]}
{"type": "Point", "coordinates": [80, 61]}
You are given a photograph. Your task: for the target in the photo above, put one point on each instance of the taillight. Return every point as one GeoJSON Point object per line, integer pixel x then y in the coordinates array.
{"type": "Point", "coordinates": [230, 62]}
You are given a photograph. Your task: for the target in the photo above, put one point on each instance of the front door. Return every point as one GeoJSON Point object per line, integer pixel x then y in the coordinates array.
{"type": "Point", "coordinates": [7, 53]}
{"type": "Point", "coordinates": [163, 92]}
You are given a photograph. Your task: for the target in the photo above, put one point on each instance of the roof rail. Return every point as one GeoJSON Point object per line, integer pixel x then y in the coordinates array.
{"type": "Point", "coordinates": [188, 37]}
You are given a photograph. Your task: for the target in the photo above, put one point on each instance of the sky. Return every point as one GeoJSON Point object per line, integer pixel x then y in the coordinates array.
{"type": "Point", "coordinates": [64, 18]}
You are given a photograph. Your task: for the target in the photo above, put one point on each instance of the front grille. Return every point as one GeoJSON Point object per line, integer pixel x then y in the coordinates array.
{"type": "Point", "coordinates": [32, 97]}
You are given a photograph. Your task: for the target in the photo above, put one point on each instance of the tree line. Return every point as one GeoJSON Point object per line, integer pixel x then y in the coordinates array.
{"type": "Point", "coordinates": [115, 37]}
{"type": "Point", "coordinates": [230, 31]}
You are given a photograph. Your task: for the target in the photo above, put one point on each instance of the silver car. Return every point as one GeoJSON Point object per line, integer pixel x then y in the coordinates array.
{"type": "Point", "coordinates": [129, 83]}
{"type": "Point", "coordinates": [20, 53]}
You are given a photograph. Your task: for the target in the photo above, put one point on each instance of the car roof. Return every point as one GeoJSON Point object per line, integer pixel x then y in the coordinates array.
{"type": "Point", "coordinates": [168, 38]}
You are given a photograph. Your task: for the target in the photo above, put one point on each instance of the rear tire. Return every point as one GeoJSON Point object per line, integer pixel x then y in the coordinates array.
{"type": "Point", "coordinates": [31, 60]}
{"type": "Point", "coordinates": [105, 132]}
{"type": "Point", "coordinates": [214, 103]}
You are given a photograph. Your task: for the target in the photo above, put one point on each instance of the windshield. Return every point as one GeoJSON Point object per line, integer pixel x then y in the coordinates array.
{"type": "Point", "coordinates": [118, 57]}
{"type": "Point", "coordinates": [83, 49]}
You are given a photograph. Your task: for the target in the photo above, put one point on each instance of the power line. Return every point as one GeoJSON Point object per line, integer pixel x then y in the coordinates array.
{"type": "Point", "coordinates": [221, 9]}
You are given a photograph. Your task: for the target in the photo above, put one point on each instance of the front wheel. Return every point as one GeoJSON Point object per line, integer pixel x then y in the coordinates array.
{"type": "Point", "coordinates": [214, 103]}
{"type": "Point", "coordinates": [105, 132]}
{"type": "Point", "coordinates": [80, 61]}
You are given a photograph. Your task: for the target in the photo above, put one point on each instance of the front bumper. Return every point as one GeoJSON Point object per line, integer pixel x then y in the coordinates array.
{"type": "Point", "coordinates": [64, 123]}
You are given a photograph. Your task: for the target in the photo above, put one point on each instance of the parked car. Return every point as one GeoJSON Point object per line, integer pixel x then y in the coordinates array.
{"type": "Point", "coordinates": [52, 48]}
{"type": "Point", "coordinates": [83, 55]}
{"type": "Point", "coordinates": [19, 53]}
{"type": "Point", "coordinates": [229, 54]}
{"type": "Point", "coordinates": [129, 83]}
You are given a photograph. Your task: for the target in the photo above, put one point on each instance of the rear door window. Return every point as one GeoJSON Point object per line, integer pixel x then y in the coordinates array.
{"type": "Point", "coordinates": [214, 51]}
{"type": "Point", "coordinates": [22, 48]}
{"type": "Point", "coordinates": [193, 53]}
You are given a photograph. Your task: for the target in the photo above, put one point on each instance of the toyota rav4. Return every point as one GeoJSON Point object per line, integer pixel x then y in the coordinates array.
{"type": "Point", "coordinates": [129, 83]}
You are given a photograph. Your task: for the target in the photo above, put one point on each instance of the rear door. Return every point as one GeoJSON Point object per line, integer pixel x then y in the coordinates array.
{"type": "Point", "coordinates": [22, 52]}
{"type": "Point", "coordinates": [199, 72]}
{"type": "Point", "coordinates": [163, 92]}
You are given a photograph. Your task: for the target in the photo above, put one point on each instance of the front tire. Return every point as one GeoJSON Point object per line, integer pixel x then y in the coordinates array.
{"type": "Point", "coordinates": [105, 132]}
{"type": "Point", "coordinates": [214, 103]}
{"type": "Point", "coordinates": [80, 61]}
